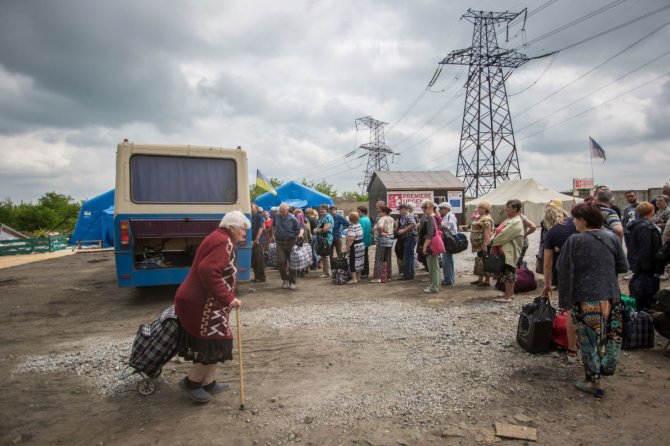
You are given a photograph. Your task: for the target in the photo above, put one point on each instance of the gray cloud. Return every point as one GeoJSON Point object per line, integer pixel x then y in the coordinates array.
{"type": "Point", "coordinates": [287, 80]}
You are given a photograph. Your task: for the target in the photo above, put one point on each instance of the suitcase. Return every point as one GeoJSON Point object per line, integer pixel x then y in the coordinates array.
{"type": "Point", "coordinates": [535, 326]}
{"type": "Point", "coordinates": [638, 330]}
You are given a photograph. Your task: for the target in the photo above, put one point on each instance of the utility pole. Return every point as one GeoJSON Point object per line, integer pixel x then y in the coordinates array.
{"type": "Point", "coordinates": [378, 150]}
{"type": "Point", "coordinates": [487, 153]}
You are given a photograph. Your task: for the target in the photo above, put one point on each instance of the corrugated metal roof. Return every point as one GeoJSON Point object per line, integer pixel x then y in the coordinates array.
{"type": "Point", "coordinates": [431, 180]}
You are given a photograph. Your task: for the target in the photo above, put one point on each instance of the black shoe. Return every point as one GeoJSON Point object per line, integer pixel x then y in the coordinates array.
{"type": "Point", "coordinates": [404, 278]}
{"type": "Point", "coordinates": [258, 281]}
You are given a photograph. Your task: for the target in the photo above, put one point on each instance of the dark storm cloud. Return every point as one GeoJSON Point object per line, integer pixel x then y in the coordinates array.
{"type": "Point", "coordinates": [86, 63]}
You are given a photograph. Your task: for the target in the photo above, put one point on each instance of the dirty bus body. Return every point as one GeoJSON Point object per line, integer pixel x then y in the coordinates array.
{"type": "Point", "coordinates": [167, 200]}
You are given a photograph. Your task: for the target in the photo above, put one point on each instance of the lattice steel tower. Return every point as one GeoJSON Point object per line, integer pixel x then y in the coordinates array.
{"type": "Point", "coordinates": [487, 153]}
{"type": "Point", "coordinates": [377, 148]}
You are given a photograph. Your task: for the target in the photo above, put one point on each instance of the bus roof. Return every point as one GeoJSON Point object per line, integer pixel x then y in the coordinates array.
{"type": "Point", "coordinates": [123, 204]}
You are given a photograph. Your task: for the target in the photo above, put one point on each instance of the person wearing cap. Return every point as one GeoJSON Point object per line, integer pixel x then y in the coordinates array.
{"type": "Point", "coordinates": [449, 223]}
{"type": "Point", "coordinates": [407, 232]}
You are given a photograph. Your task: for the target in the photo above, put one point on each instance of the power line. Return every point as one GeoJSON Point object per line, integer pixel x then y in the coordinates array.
{"type": "Point", "coordinates": [607, 31]}
{"type": "Point", "coordinates": [595, 68]}
{"type": "Point", "coordinates": [638, 68]}
{"type": "Point", "coordinates": [574, 22]}
{"type": "Point", "coordinates": [432, 118]}
{"type": "Point", "coordinates": [619, 96]}
{"type": "Point", "coordinates": [551, 62]}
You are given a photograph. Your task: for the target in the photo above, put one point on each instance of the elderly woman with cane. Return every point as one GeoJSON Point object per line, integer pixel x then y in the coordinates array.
{"type": "Point", "coordinates": [203, 304]}
{"type": "Point", "coordinates": [587, 282]}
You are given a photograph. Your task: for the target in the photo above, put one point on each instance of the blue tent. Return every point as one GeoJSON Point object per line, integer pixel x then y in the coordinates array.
{"type": "Point", "coordinates": [96, 220]}
{"type": "Point", "coordinates": [296, 195]}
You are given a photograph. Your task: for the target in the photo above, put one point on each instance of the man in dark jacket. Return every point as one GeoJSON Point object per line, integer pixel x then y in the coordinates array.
{"type": "Point", "coordinates": [645, 241]}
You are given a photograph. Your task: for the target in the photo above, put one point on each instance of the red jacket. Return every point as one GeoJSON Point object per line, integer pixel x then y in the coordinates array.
{"type": "Point", "coordinates": [201, 302]}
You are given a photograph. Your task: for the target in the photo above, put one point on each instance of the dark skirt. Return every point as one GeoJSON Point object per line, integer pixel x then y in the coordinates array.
{"type": "Point", "coordinates": [204, 351]}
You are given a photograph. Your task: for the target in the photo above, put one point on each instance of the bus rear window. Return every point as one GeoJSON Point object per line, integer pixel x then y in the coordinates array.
{"type": "Point", "coordinates": [176, 179]}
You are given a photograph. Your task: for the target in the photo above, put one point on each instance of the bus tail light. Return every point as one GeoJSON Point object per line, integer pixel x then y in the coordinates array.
{"type": "Point", "coordinates": [124, 239]}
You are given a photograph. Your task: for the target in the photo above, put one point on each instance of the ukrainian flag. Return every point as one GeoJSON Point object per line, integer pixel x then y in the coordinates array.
{"type": "Point", "coordinates": [263, 182]}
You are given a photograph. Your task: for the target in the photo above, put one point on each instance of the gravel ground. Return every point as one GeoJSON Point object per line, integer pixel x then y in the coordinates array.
{"type": "Point", "coordinates": [325, 364]}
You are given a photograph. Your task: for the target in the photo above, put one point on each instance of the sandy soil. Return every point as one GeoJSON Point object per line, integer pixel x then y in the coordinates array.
{"type": "Point", "coordinates": [381, 364]}
{"type": "Point", "coordinates": [9, 261]}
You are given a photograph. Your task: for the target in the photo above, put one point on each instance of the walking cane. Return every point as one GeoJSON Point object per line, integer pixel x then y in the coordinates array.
{"type": "Point", "coordinates": [239, 354]}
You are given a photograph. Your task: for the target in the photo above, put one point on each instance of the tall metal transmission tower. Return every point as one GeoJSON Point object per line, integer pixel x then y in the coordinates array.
{"type": "Point", "coordinates": [487, 152]}
{"type": "Point", "coordinates": [378, 150]}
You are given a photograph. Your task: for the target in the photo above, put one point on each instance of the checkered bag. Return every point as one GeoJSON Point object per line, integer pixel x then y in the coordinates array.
{"type": "Point", "coordinates": [155, 344]}
{"type": "Point", "coordinates": [301, 257]}
{"type": "Point", "coordinates": [638, 329]}
{"type": "Point", "coordinates": [271, 257]}
{"type": "Point", "coordinates": [340, 276]}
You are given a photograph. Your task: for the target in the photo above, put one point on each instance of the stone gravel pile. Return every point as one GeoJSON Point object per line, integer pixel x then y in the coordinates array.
{"type": "Point", "coordinates": [98, 361]}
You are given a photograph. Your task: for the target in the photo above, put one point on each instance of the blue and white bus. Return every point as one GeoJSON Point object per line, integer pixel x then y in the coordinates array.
{"type": "Point", "coordinates": [167, 200]}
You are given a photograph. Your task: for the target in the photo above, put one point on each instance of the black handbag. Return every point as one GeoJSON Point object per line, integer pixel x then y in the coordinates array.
{"type": "Point", "coordinates": [535, 325]}
{"type": "Point", "coordinates": [322, 246]}
{"type": "Point", "coordinates": [494, 263]}
{"type": "Point", "coordinates": [340, 263]}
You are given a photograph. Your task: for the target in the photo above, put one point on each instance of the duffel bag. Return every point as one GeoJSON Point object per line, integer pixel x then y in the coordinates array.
{"type": "Point", "coordinates": [272, 254]}
{"type": "Point", "coordinates": [340, 276]}
{"type": "Point", "coordinates": [559, 332]}
{"type": "Point", "coordinates": [525, 281]}
{"type": "Point", "coordinates": [340, 263]}
{"type": "Point", "coordinates": [301, 257]}
{"type": "Point", "coordinates": [638, 329]}
{"type": "Point", "coordinates": [535, 325]}
{"type": "Point", "coordinates": [454, 243]}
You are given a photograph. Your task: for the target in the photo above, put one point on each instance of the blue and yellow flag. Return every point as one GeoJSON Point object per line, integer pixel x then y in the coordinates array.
{"type": "Point", "coordinates": [264, 183]}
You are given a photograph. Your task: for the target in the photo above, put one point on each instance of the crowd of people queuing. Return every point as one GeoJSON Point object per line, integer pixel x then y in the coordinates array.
{"type": "Point", "coordinates": [581, 254]}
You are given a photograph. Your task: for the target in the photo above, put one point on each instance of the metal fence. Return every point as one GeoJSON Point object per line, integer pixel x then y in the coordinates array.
{"type": "Point", "coordinates": [34, 245]}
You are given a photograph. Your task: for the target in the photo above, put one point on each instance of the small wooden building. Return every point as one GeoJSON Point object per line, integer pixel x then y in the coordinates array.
{"type": "Point", "coordinates": [395, 188]}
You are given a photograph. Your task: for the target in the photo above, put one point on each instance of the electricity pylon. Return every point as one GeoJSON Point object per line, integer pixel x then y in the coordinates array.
{"type": "Point", "coordinates": [378, 150]}
{"type": "Point", "coordinates": [487, 153]}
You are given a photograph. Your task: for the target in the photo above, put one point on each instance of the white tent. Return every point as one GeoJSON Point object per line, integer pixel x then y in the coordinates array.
{"type": "Point", "coordinates": [532, 194]}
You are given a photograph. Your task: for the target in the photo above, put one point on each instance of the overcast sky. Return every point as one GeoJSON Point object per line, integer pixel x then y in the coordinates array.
{"type": "Point", "coordinates": [287, 79]}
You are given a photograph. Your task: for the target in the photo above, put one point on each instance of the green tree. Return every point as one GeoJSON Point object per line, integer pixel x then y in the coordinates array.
{"type": "Point", "coordinates": [52, 212]}
{"type": "Point", "coordinates": [32, 218]}
{"type": "Point", "coordinates": [255, 191]}
{"type": "Point", "coordinates": [7, 210]}
{"type": "Point", "coordinates": [322, 187]}
{"type": "Point", "coordinates": [356, 195]}
{"type": "Point", "coordinates": [63, 207]}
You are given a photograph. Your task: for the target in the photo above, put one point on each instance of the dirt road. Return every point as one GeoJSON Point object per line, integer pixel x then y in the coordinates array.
{"type": "Point", "coordinates": [381, 364]}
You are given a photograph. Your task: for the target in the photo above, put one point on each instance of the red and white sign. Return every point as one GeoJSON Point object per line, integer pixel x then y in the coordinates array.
{"type": "Point", "coordinates": [582, 183]}
{"type": "Point", "coordinates": [395, 199]}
